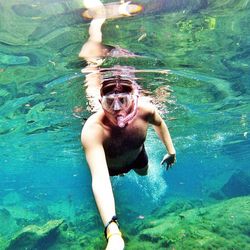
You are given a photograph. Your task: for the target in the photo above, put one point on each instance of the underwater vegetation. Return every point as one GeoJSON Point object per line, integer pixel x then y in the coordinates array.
{"type": "Point", "coordinates": [219, 226]}
{"type": "Point", "coordinates": [177, 224]}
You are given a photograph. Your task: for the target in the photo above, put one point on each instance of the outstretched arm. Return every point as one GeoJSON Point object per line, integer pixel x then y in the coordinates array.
{"type": "Point", "coordinates": [101, 184]}
{"type": "Point", "coordinates": [163, 133]}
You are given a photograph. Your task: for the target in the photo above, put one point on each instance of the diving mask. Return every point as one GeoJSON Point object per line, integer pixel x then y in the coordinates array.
{"type": "Point", "coordinates": [120, 93]}
{"type": "Point", "coordinates": [116, 102]}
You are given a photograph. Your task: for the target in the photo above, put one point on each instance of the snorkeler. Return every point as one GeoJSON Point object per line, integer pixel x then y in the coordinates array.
{"type": "Point", "coordinates": [113, 137]}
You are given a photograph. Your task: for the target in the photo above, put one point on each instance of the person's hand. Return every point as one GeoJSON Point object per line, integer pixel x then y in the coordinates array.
{"type": "Point", "coordinates": [115, 242]}
{"type": "Point", "coordinates": [169, 160]}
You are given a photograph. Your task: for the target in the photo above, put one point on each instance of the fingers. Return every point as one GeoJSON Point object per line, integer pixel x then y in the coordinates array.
{"type": "Point", "coordinates": [165, 159]}
{"type": "Point", "coordinates": [169, 166]}
{"type": "Point", "coordinates": [169, 160]}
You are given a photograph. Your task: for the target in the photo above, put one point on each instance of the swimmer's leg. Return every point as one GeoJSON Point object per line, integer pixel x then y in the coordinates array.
{"type": "Point", "coordinates": [141, 171]}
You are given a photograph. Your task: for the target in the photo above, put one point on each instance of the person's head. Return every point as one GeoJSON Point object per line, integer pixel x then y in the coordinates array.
{"type": "Point", "coordinates": [119, 99]}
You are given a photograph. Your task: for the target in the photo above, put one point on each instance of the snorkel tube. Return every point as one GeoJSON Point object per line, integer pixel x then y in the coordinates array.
{"type": "Point", "coordinates": [122, 121]}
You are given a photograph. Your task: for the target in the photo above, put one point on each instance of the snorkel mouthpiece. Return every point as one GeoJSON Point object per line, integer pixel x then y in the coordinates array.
{"type": "Point", "coordinates": [123, 121]}
{"type": "Point", "coordinates": [120, 122]}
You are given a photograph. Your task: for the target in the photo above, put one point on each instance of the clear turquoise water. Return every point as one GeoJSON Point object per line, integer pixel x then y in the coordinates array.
{"type": "Point", "coordinates": [43, 105]}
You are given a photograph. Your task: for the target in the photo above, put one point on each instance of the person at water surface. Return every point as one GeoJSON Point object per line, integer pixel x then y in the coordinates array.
{"type": "Point", "coordinates": [113, 137]}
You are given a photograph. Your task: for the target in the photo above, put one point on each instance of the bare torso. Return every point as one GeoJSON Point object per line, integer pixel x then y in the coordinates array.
{"type": "Point", "coordinates": [120, 146]}
{"type": "Point", "coordinates": [123, 145]}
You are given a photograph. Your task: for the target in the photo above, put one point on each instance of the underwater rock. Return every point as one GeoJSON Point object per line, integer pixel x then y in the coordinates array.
{"type": "Point", "coordinates": [13, 59]}
{"type": "Point", "coordinates": [225, 225]}
{"type": "Point", "coordinates": [177, 5]}
{"type": "Point", "coordinates": [232, 4]}
{"type": "Point", "coordinates": [11, 198]}
{"type": "Point", "coordinates": [35, 237]}
{"type": "Point", "coordinates": [26, 10]}
{"type": "Point", "coordinates": [3, 243]}
{"type": "Point", "coordinates": [237, 185]}
{"type": "Point", "coordinates": [217, 195]}
{"type": "Point", "coordinates": [63, 208]}
{"type": "Point", "coordinates": [23, 216]}
{"type": "Point", "coordinates": [175, 206]}
{"type": "Point", "coordinates": [54, 23]}
{"type": "Point", "coordinates": [7, 223]}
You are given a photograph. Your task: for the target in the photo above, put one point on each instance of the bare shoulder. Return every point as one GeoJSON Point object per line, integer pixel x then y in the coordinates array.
{"type": "Point", "coordinates": [149, 111]}
{"type": "Point", "coordinates": [92, 131]}
{"type": "Point", "coordinates": [146, 107]}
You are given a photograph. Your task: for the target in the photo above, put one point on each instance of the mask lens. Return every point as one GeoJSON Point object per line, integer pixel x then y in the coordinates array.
{"type": "Point", "coordinates": [124, 100]}
{"type": "Point", "coordinates": [116, 101]}
{"type": "Point", "coordinates": [107, 102]}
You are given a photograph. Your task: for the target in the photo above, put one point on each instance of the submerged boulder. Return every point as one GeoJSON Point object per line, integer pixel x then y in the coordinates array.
{"type": "Point", "coordinates": [177, 5]}
{"type": "Point", "coordinates": [35, 237]}
{"type": "Point", "coordinates": [237, 185]}
{"type": "Point", "coordinates": [7, 222]}
{"type": "Point", "coordinates": [12, 198]}
{"type": "Point", "coordinates": [225, 225]}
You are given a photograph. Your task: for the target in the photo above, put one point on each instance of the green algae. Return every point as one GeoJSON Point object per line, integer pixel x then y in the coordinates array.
{"type": "Point", "coordinates": [8, 224]}
{"type": "Point", "coordinates": [13, 60]}
{"type": "Point", "coordinates": [178, 224]}
{"type": "Point", "coordinates": [26, 10]}
{"type": "Point", "coordinates": [36, 237]}
{"type": "Point", "coordinates": [221, 226]}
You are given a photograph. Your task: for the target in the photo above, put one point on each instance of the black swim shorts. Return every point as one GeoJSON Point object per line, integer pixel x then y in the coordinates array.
{"type": "Point", "coordinates": [140, 162]}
